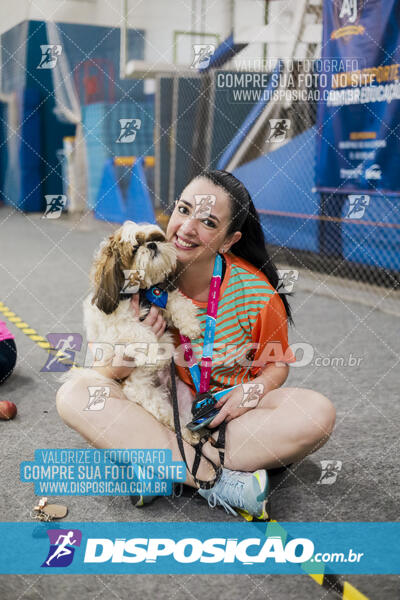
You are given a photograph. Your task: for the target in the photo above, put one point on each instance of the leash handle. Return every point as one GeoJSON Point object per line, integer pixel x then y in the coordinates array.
{"type": "Point", "coordinates": [220, 443]}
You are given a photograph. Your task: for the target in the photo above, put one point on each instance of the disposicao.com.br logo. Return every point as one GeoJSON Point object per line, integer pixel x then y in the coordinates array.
{"type": "Point", "coordinates": [191, 550]}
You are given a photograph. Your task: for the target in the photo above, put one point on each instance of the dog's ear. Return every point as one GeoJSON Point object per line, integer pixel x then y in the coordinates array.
{"type": "Point", "coordinates": [108, 277]}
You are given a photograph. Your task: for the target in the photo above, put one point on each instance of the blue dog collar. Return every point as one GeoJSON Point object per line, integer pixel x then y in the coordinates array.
{"type": "Point", "coordinates": [157, 296]}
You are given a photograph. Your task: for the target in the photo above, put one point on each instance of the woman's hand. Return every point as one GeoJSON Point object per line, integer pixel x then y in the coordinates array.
{"type": "Point", "coordinates": [154, 319]}
{"type": "Point", "coordinates": [272, 377]}
{"type": "Point", "coordinates": [231, 408]}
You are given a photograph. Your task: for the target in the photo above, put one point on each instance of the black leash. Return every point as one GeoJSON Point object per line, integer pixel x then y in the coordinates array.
{"type": "Point", "coordinates": [219, 444]}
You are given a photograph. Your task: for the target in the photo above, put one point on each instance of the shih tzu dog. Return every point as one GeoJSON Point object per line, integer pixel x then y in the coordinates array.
{"type": "Point", "coordinates": [138, 258]}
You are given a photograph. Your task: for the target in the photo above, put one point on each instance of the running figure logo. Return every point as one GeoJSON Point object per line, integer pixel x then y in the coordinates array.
{"type": "Point", "coordinates": [50, 54]}
{"type": "Point", "coordinates": [329, 471]}
{"type": "Point", "coordinates": [252, 394]}
{"type": "Point", "coordinates": [54, 206]}
{"type": "Point", "coordinates": [287, 279]}
{"type": "Point", "coordinates": [203, 205]}
{"type": "Point", "coordinates": [202, 55]}
{"type": "Point", "coordinates": [66, 344]}
{"type": "Point", "coordinates": [129, 128]}
{"type": "Point", "coordinates": [98, 394]}
{"type": "Point", "coordinates": [279, 130]}
{"type": "Point", "coordinates": [62, 547]}
{"type": "Point", "coordinates": [357, 205]}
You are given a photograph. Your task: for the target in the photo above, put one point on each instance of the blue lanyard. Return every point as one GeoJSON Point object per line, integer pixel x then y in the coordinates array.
{"type": "Point", "coordinates": [201, 379]}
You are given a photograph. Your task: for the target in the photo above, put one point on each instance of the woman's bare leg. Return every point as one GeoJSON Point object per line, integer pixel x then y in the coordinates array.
{"type": "Point", "coordinates": [287, 425]}
{"type": "Point", "coordinates": [121, 423]}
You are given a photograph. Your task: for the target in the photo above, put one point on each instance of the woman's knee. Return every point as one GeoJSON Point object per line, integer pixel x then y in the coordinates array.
{"type": "Point", "coordinates": [319, 419]}
{"type": "Point", "coordinates": [62, 404]}
{"type": "Point", "coordinates": [71, 399]}
{"type": "Point", "coordinates": [316, 416]}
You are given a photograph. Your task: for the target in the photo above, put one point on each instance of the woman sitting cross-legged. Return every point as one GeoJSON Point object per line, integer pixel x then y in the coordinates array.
{"type": "Point", "coordinates": [269, 429]}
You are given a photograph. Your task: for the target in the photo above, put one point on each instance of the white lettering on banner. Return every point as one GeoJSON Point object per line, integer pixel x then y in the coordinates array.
{"type": "Point", "coordinates": [348, 10]}
{"type": "Point", "coordinates": [364, 95]}
{"type": "Point", "coordinates": [191, 550]}
{"type": "Point", "coordinates": [107, 550]}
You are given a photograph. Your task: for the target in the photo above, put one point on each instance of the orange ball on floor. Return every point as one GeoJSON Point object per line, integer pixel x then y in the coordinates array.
{"type": "Point", "coordinates": [8, 410]}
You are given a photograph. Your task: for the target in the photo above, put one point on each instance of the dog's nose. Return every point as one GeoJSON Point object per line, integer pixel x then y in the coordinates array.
{"type": "Point", "coordinates": [152, 245]}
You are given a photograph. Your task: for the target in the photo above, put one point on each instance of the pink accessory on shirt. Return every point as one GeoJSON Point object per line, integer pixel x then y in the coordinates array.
{"type": "Point", "coordinates": [5, 334]}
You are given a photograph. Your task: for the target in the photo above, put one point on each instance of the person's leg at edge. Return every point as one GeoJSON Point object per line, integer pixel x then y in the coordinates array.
{"type": "Point", "coordinates": [287, 425]}
{"type": "Point", "coordinates": [8, 358]}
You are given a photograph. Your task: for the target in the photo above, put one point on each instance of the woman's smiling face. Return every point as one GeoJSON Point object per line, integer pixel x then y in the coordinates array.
{"type": "Point", "coordinates": [199, 234]}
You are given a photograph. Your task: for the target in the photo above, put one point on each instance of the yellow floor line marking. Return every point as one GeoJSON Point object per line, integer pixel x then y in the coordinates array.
{"type": "Point", "coordinates": [31, 333]}
{"type": "Point", "coordinates": [351, 593]}
{"type": "Point", "coordinates": [328, 581]}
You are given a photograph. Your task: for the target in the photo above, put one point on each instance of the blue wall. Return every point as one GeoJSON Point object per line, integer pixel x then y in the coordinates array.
{"type": "Point", "coordinates": [99, 48]}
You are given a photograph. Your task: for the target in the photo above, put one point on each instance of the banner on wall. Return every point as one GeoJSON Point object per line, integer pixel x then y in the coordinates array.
{"type": "Point", "coordinates": [358, 114]}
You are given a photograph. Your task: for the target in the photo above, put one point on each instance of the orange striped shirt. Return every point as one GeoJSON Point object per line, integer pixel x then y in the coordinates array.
{"type": "Point", "coordinates": [251, 328]}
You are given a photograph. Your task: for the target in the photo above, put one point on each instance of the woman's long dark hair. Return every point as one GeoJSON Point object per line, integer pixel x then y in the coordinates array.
{"type": "Point", "coordinates": [244, 218]}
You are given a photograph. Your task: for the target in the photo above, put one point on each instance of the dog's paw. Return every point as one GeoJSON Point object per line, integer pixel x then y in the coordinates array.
{"type": "Point", "coordinates": [189, 323]}
{"type": "Point", "coordinates": [192, 330]}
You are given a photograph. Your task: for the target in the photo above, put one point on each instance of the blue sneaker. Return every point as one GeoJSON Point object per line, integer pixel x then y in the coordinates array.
{"type": "Point", "coordinates": [140, 501]}
{"type": "Point", "coordinates": [247, 492]}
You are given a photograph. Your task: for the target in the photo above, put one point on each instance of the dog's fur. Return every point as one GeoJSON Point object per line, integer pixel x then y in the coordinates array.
{"type": "Point", "coordinates": [110, 319]}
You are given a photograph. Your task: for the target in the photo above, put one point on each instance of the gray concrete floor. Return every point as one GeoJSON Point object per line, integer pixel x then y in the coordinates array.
{"type": "Point", "coordinates": [43, 279]}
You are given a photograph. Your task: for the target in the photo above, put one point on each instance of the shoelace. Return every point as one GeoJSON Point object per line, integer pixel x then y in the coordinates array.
{"type": "Point", "coordinates": [215, 498]}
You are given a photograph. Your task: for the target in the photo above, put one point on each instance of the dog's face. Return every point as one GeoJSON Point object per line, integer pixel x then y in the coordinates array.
{"type": "Point", "coordinates": [141, 250]}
